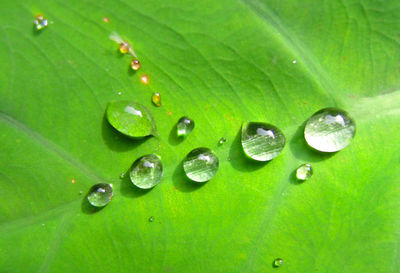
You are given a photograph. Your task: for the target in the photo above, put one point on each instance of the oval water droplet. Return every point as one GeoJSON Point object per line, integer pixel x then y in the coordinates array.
{"type": "Point", "coordinates": [131, 119]}
{"type": "Point", "coordinates": [277, 262]}
{"type": "Point", "coordinates": [329, 130]}
{"type": "Point", "coordinates": [146, 172]}
{"type": "Point", "coordinates": [156, 99]}
{"type": "Point", "coordinates": [40, 22]}
{"type": "Point", "coordinates": [124, 47]}
{"type": "Point", "coordinates": [304, 172]}
{"type": "Point", "coordinates": [222, 140]}
{"type": "Point", "coordinates": [262, 141]}
{"type": "Point", "coordinates": [185, 126]}
{"type": "Point", "coordinates": [100, 194]}
{"type": "Point", "coordinates": [135, 64]}
{"type": "Point", "coordinates": [201, 164]}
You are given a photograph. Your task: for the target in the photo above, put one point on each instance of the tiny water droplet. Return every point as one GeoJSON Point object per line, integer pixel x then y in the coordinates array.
{"type": "Point", "coordinates": [124, 47]}
{"type": "Point", "coordinates": [156, 99]}
{"type": "Point", "coordinates": [329, 130]}
{"type": "Point", "coordinates": [277, 262]}
{"type": "Point", "coordinates": [106, 20]}
{"type": "Point", "coordinates": [294, 61]}
{"type": "Point", "coordinates": [73, 181]}
{"type": "Point", "coordinates": [262, 141]}
{"type": "Point", "coordinates": [304, 172]}
{"type": "Point", "coordinates": [151, 219]}
{"type": "Point", "coordinates": [40, 22]}
{"type": "Point", "coordinates": [185, 126]}
{"type": "Point", "coordinates": [131, 119]}
{"type": "Point", "coordinates": [146, 172]}
{"type": "Point", "coordinates": [119, 93]}
{"type": "Point", "coordinates": [122, 175]}
{"type": "Point", "coordinates": [144, 79]}
{"type": "Point", "coordinates": [222, 140]}
{"type": "Point", "coordinates": [43, 225]}
{"type": "Point", "coordinates": [80, 192]}
{"type": "Point", "coordinates": [201, 164]}
{"type": "Point", "coordinates": [135, 64]}
{"type": "Point", "coordinates": [100, 194]}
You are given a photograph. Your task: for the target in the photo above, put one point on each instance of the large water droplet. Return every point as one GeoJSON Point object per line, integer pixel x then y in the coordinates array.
{"type": "Point", "coordinates": [201, 164]}
{"type": "Point", "coordinates": [277, 262]}
{"type": "Point", "coordinates": [329, 130]}
{"type": "Point", "coordinates": [131, 119]}
{"type": "Point", "coordinates": [146, 171]}
{"type": "Point", "coordinates": [304, 172]}
{"type": "Point", "coordinates": [135, 64]}
{"type": "Point", "coordinates": [40, 22]}
{"type": "Point", "coordinates": [262, 141]}
{"type": "Point", "coordinates": [100, 194]}
{"type": "Point", "coordinates": [185, 126]}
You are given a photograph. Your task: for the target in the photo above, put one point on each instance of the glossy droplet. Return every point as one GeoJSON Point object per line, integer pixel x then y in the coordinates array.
{"type": "Point", "coordinates": [304, 172]}
{"type": "Point", "coordinates": [135, 64]}
{"type": "Point", "coordinates": [124, 47]}
{"type": "Point", "coordinates": [262, 141]}
{"type": "Point", "coordinates": [146, 171]}
{"type": "Point", "coordinates": [185, 126]}
{"type": "Point", "coordinates": [329, 130]}
{"type": "Point", "coordinates": [201, 164]}
{"type": "Point", "coordinates": [144, 79]}
{"type": "Point", "coordinates": [40, 22]}
{"type": "Point", "coordinates": [151, 219]}
{"type": "Point", "coordinates": [100, 194]}
{"type": "Point", "coordinates": [222, 140]}
{"type": "Point", "coordinates": [122, 175]}
{"type": "Point", "coordinates": [156, 99]}
{"type": "Point", "coordinates": [277, 262]}
{"type": "Point", "coordinates": [131, 119]}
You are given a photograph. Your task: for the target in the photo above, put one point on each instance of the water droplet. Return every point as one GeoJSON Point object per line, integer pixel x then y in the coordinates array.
{"type": "Point", "coordinates": [201, 164]}
{"type": "Point", "coordinates": [294, 61]}
{"type": "Point", "coordinates": [144, 79]}
{"type": "Point", "coordinates": [73, 181]}
{"type": "Point", "coordinates": [40, 22]}
{"type": "Point", "coordinates": [124, 47]}
{"type": "Point", "coordinates": [185, 126]}
{"type": "Point", "coordinates": [156, 99]}
{"type": "Point", "coordinates": [329, 130]}
{"type": "Point", "coordinates": [277, 262]}
{"type": "Point", "coordinates": [80, 192]}
{"type": "Point", "coordinates": [146, 171]}
{"type": "Point", "coordinates": [106, 20]}
{"type": "Point", "coordinates": [222, 140]}
{"type": "Point", "coordinates": [304, 172]}
{"type": "Point", "coordinates": [131, 119]}
{"type": "Point", "coordinates": [119, 93]}
{"type": "Point", "coordinates": [135, 64]}
{"type": "Point", "coordinates": [100, 194]}
{"type": "Point", "coordinates": [122, 175]}
{"type": "Point", "coordinates": [262, 141]}
{"type": "Point", "coordinates": [151, 219]}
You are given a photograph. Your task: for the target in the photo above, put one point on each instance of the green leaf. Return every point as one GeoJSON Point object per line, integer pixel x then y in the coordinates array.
{"type": "Point", "coordinates": [220, 63]}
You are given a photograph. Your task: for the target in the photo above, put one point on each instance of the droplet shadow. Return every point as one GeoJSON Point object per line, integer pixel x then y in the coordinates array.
{"type": "Point", "coordinates": [173, 137]}
{"type": "Point", "coordinates": [239, 160]}
{"type": "Point", "coordinates": [87, 208]}
{"type": "Point", "coordinates": [117, 141]}
{"type": "Point", "coordinates": [182, 183]}
{"type": "Point", "coordinates": [127, 188]}
{"type": "Point", "coordinates": [301, 150]}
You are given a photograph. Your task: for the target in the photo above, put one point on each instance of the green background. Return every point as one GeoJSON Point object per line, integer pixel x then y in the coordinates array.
{"type": "Point", "coordinates": [221, 63]}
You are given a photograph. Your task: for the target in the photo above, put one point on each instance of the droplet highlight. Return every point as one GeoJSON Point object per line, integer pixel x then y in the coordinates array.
{"type": "Point", "coordinates": [100, 194]}
{"type": "Point", "coordinates": [135, 64]}
{"type": "Point", "coordinates": [221, 141]}
{"type": "Point", "coordinates": [304, 172]}
{"type": "Point", "coordinates": [278, 262]}
{"type": "Point", "coordinates": [329, 130]}
{"type": "Point", "coordinates": [184, 127]}
{"type": "Point", "coordinates": [262, 141]}
{"type": "Point", "coordinates": [146, 172]}
{"type": "Point", "coordinates": [201, 164]}
{"type": "Point", "coordinates": [156, 99]}
{"type": "Point", "coordinates": [131, 119]}
{"type": "Point", "coordinates": [40, 22]}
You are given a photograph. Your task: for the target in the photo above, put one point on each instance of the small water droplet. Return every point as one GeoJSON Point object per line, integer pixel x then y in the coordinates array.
{"type": "Point", "coordinates": [100, 194]}
{"type": "Point", "coordinates": [146, 172]}
{"type": "Point", "coordinates": [40, 22]}
{"type": "Point", "coordinates": [262, 141]}
{"type": "Point", "coordinates": [222, 140]}
{"type": "Point", "coordinates": [43, 225]}
{"type": "Point", "coordinates": [80, 192]}
{"type": "Point", "coordinates": [304, 172]}
{"type": "Point", "coordinates": [119, 93]}
{"type": "Point", "coordinates": [277, 262]}
{"type": "Point", "coordinates": [156, 99]}
{"type": "Point", "coordinates": [185, 126]}
{"type": "Point", "coordinates": [135, 64]}
{"type": "Point", "coordinates": [124, 47]}
{"type": "Point", "coordinates": [201, 164]}
{"type": "Point", "coordinates": [329, 130]}
{"type": "Point", "coordinates": [151, 219]}
{"type": "Point", "coordinates": [131, 119]}
{"type": "Point", "coordinates": [122, 175]}
{"type": "Point", "coordinates": [294, 61]}
{"type": "Point", "coordinates": [144, 79]}
{"type": "Point", "coordinates": [106, 20]}
{"type": "Point", "coordinates": [73, 181]}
